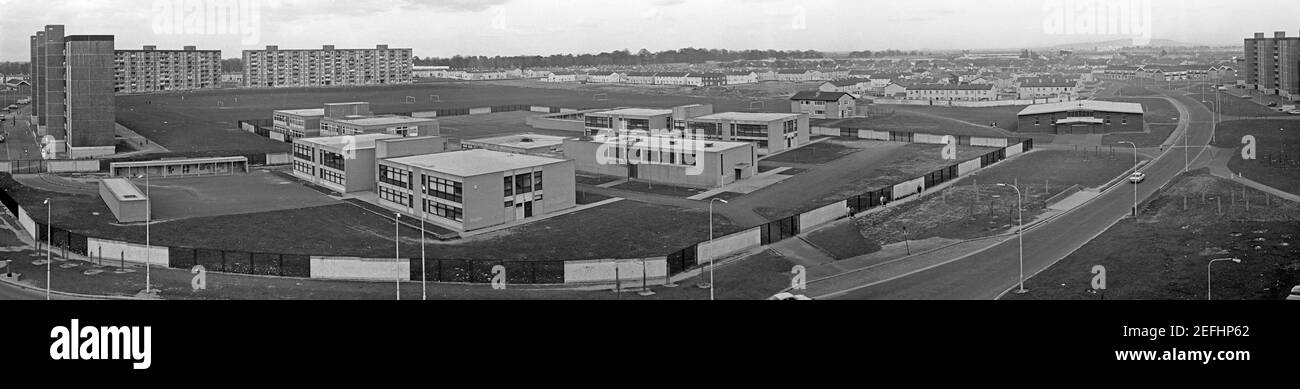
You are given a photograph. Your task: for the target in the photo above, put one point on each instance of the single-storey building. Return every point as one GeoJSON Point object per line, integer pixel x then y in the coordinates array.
{"type": "Point", "coordinates": [1082, 117]}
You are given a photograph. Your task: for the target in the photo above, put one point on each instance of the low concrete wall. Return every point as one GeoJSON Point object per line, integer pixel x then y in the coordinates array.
{"type": "Point", "coordinates": [928, 139]}
{"type": "Point", "coordinates": [129, 252]}
{"type": "Point", "coordinates": [365, 269]}
{"type": "Point", "coordinates": [825, 131]}
{"type": "Point", "coordinates": [543, 123]}
{"type": "Point", "coordinates": [26, 221]}
{"type": "Point", "coordinates": [909, 188]}
{"type": "Point", "coordinates": [480, 111]}
{"type": "Point", "coordinates": [278, 159]}
{"type": "Point", "coordinates": [57, 166]}
{"type": "Point", "coordinates": [629, 271]}
{"type": "Point", "coordinates": [540, 109]}
{"type": "Point", "coordinates": [988, 142]}
{"type": "Point", "coordinates": [425, 114]}
{"type": "Point", "coordinates": [1015, 149]}
{"type": "Point", "coordinates": [873, 135]}
{"type": "Point", "coordinates": [817, 217]}
{"type": "Point", "coordinates": [730, 244]}
{"type": "Point", "coordinates": [968, 167]}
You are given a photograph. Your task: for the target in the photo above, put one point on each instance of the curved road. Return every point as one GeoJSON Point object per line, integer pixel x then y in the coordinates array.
{"type": "Point", "coordinates": [987, 274]}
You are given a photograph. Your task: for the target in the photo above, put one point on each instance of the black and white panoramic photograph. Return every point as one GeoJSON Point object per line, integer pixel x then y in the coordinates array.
{"type": "Point", "coordinates": [1007, 153]}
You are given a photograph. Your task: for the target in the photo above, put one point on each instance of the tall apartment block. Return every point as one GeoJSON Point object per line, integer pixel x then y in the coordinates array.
{"type": "Point", "coordinates": [275, 68]}
{"type": "Point", "coordinates": [1273, 64]}
{"type": "Point", "coordinates": [153, 70]}
{"type": "Point", "coordinates": [73, 93]}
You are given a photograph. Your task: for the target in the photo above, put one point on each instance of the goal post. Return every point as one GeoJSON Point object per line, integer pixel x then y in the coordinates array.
{"type": "Point", "coordinates": [757, 105]}
{"type": "Point", "coordinates": [600, 96]}
{"type": "Point", "coordinates": [435, 98]}
{"type": "Point", "coordinates": [410, 99]}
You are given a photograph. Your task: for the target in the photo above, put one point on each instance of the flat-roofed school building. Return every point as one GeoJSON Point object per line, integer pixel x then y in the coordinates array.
{"type": "Point", "coordinates": [624, 119]}
{"type": "Point", "coordinates": [771, 132]}
{"type": "Point", "coordinates": [346, 164]}
{"type": "Point", "coordinates": [178, 168]}
{"type": "Point", "coordinates": [392, 125]}
{"type": "Point", "coordinates": [474, 189]}
{"type": "Point", "coordinates": [664, 159]}
{"type": "Point", "coordinates": [126, 201]}
{"type": "Point", "coordinates": [528, 143]}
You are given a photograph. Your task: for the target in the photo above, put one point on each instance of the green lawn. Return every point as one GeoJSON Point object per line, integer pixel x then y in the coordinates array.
{"type": "Point", "coordinates": [1131, 90]}
{"type": "Point", "coordinates": [1155, 137]}
{"type": "Point", "coordinates": [816, 153]}
{"type": "Point", "coordinates": [1004, 116]}
{"type": "Point", "coordinates": [843, 240]}
{"type": "Point", "coordinates": [1164, 255]}
{"type": "Point", "coordinates": [1277, 143]}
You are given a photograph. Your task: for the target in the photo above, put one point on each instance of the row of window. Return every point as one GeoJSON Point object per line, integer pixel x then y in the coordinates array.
{"type": "Point", "coordinates": [523, 183]}
{"type": "Point", "coordinates": [395, 196]}
{"type": "Point", "coordinates": [303, 152]}
{"type": "Point", "coordinates": [304, 167]}
{"type": "Point", "coordinates": [394, 176]}
{"type": "Point", "coordinates": [442, 188]}
{"type": "Point", "coordinates": [444, 211]}
{"type": "Point", "coordinates": [331, 176]}
{"type": "Point", "coordinates": [331, 160]}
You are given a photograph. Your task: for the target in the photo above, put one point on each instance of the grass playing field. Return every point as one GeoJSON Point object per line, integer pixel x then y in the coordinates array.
{"type": "Point", "coordinates": [208, 121]}
{"type": "Point", "coordinates": [1277, 148]}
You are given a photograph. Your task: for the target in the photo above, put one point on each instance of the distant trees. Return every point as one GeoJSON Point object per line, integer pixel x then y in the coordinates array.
{"type": "Point", "coordinates": [232, 65]}
{"type": "Point", "coordinates": [617, 58]}
{"type": "Point", "coordinates": [15, 67]}
{"type": "Point", "coordinates": [885, 53]}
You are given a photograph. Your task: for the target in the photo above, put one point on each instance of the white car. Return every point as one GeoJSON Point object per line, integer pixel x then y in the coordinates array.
{"type": "Point", "coordinates": [787, 296]}
{"type": "Point", "coordinates": [1137, 177]}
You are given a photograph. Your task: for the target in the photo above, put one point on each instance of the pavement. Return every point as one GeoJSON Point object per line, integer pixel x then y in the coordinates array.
{"type": "Point", "coordinates": [986, 273]}
{"type": "Point", "coordinates": [20, 142]}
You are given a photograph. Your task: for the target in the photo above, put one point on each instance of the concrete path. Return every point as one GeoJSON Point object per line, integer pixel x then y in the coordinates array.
{"type": "Point", "coordinates": [1074, 200]}
{"type": "Point", "coordinates": [748, 185]}
{"type": "Point", "coordinates": [801, 252]}
{"type": "Point", "coordinates": [1218, 165]}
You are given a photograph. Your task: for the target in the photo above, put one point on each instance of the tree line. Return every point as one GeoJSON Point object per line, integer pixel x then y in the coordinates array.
{"type": "Point", "coordinates": [616, 58]}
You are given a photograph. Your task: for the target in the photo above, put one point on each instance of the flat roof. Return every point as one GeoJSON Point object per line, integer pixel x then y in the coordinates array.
{"type": "Point", "coordinates": [470, 163]}
{"type": "Point", "coordinates": [686, 143]}
{"type": "Point", "coordinates": [1093, 105]}
{"type": "Point", "coordinates": [178, 161]}
{"type": "Point", "coordinates": [123, 190]}
{"type": "Point", "coordinates": [382, 120]}
{"type": "Point", "coordinates": [750, 116]}
{"type": "Point", "coordinates": [303, 112]}
{"type": "Point", "coordinates": [636, 112]}
{"type": "Point", "coordinates": [521, 141]}
{"type": "Point", "coordinates": [359, 142]}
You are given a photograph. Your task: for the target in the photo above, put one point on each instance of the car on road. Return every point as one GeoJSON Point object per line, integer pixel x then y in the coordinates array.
{"type": "Point", "coordinates": [11, 107]}
{"type": "Point", "coordinates": [787, 296]}
{"type": "Point", "coordinates": [1247, 97]}
{"type": "Point", "coordinates": [1137, 177]}
{"type": "Point", "coordinates": [1294, 112]}
{"type": "Point", "coordinates": [1273, 104]}
{"type": "Point", "coordinates": [2, 139]}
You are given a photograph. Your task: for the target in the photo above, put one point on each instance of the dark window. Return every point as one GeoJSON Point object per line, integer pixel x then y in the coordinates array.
{"type": "Point", "coordinates": [509, 183]}
{"type": "Point", "coordinates": [331, 160]}
{"type": "Point", "coordinates": [444, 189]}
{"type": "Point", "coordinates": [537, 180]}
{"type": "Point", "coordinates": [524, 183]}
{"type": "Point", "coordinates": [394, 176]}
{"type": "Point", "coordinates": [444, 211]}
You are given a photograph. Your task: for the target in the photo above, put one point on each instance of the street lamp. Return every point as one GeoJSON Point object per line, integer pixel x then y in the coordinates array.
{"type": "Point", "coordinates": [148, 219]}
{"type": "Point", "coordinates": [1020, 235]}
{"type": "Point", "coordinates": [709, 285]}
{"type": "Point", "coordinates": [397, 251]}
{"type": "Point", "coordinates": [49, 222]}
{"type": "Point", "coordinates": [1207, 273]}
{"type": "Point", "coordinates": [1135, 170]}
{"type": "Point", "coordinates": [424, 286]}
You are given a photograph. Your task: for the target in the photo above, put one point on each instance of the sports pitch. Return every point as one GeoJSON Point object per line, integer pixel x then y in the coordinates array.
{"type": "Point", "coordinates": [256, 192]}
{"type": "Point", "coordinates": [207, 122]}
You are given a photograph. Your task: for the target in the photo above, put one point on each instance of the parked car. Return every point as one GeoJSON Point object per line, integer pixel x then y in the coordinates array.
{"type": "Point", "coordinates": [1247, 97]}
{"type": "Point", "coordinates": [1294, 112]}
{"type": "Point", "coordinates": [1274, 104]}
{"type": "Point", "coordinates": [2, 139]}
{"type": "Point", "coordinates": [1137, 177]}
{"type": "Point", "coordinates": [787, 296]}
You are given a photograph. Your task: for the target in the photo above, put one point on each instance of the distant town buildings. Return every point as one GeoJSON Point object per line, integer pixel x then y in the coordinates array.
{"type": "Point", "coordinates": [952, 92]}
{"type": "Point", "coordinates": [327, 66]}
{"type": "Point", "coordinates": [152, 70]}
{"type": "Point", "coordinates": [1273, 64]}
{"type": "Point", "coordinates": [1047, 87]}
{"type": "Point", "coordinates": [824, 105]}
{"type": "Point", "coordinates": [73, 98]}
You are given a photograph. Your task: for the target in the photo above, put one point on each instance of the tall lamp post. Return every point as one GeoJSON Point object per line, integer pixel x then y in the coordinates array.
{"type": "Point", "coordinates": [49, 221]}
{"type": "Point", "coordinates": [148, 219]}
{"type": "Point", "coordinates": [1020, 235]}
{"type": "Point", "coordinates": [397, 251]}
{"type": "Point", "coordinates": [709, 285]}
{"type": "Point", "coordinates": [1135, 170]}
{"type": "Point", "coordinates": [1207, 273]}
{"type": "Point", "coordinates": [424, 286]}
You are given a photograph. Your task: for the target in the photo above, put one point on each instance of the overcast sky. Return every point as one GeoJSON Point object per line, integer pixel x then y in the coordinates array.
{"type": "Point", "coordinates": [510, 27]}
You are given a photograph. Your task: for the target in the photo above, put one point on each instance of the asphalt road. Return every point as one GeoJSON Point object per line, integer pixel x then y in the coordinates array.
{"type": "Point", "coordinates": [18, 136]}
{"type": "Point", "coordinates": [987, 274]}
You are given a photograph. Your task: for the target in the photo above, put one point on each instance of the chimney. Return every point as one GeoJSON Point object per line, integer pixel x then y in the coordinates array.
{"type": "Point", "coordinates": [272, 47]}
{"type": "Point", "coordinates": [1259, 35]}
{"type": "Point", "coordinates": [150, 47]}
{"type": "Point", "coordinates": [1279, 34]}
{"type": "Point", "coordinates": [190, 48]}
{"type": "Point", "coordinates": [382, 47]}
{"type": "Point", "coordinates": [327, 47]}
